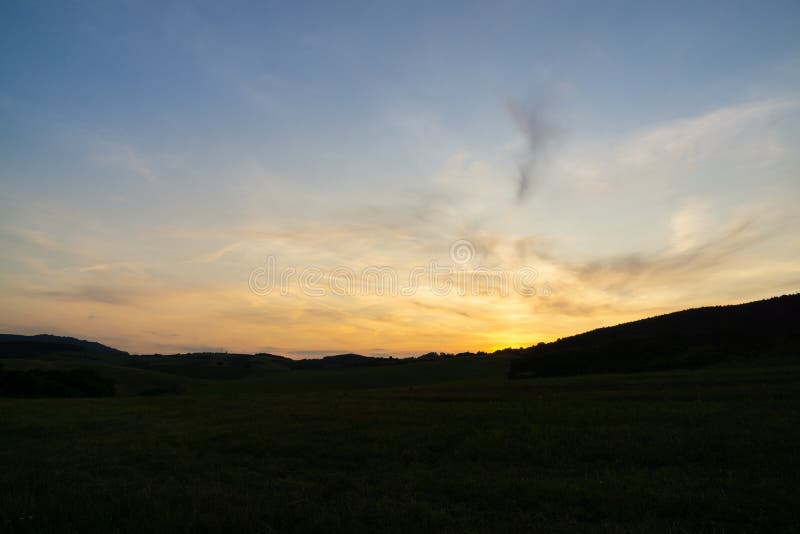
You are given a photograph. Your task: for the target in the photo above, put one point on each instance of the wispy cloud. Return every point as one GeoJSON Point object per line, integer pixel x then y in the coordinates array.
{"type": "Point", "coordinates": [219, 253]}
{"type": "Point", "coordinates": [689, 225]}
{"type": "Point", "coordinates": [86, 293]}
{"type": "Point", "coordinates": [125, 157]}
{"type": "Point", "coordinates": [96, 267]}
{"type": "Point", "coordinates": [713, 142]}
{"type": "Point", "coordinates": [663, 268]}
{"type": "Point", "coordinates": [540, 131]}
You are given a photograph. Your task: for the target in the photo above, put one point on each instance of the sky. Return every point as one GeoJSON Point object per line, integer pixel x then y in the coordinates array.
{"type": "Point", "coordinates": [391, 178]}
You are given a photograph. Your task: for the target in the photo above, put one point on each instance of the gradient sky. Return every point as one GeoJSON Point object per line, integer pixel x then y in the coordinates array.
{"type": "Point", "coordinates": [152, 155]}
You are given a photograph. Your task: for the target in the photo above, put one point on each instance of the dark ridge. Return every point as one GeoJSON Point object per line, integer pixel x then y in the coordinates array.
{"type": "Point", "coordinates": [344, 360]}
{"type": "Point", "coordinates": [684, 339]}
{"type": "Point", "coordinates": [18, 346]}
{"type": "Point", "coordinates": [209, 365]}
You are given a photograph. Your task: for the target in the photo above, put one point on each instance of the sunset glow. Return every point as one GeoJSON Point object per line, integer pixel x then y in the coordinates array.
{"type": "Point", "coordinates": [148, 170]}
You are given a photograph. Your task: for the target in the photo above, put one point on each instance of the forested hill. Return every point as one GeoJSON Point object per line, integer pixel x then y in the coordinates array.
{"type": "Point", "coordinates": [13, 345]}
{"type": "Point", "coordinates": [689, 338]}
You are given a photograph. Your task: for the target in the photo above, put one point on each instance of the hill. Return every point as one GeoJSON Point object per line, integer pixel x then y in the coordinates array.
{"type": "Point", "coordinates": [684, 339]}
{"type": "Point", "coordinates": [19, 346]}
{"type": "Point", "coordinates": [343, 360]}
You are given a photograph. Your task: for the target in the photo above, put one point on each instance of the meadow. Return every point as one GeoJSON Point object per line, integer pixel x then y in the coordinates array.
{"type": "Point", "coordinates": [446, 446]}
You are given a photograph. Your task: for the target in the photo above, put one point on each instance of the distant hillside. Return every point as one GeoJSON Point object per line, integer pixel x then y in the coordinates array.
{"type": "Point", "coordinates": [209, 365]}
{"type": "Point", "coordinates": [195, 365]}
{"type": "Point", "coordinates": [17, 346]}
{"type": "Point", "coordinates": [344, 360]}
{"type": "Point", "coordinates": [684, 339]}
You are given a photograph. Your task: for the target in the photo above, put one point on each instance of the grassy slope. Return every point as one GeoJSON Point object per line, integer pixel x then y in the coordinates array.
{"type": "Point", "coordinates": [129, 380]}
{"type": "Point", "coordinates": [446, 446]}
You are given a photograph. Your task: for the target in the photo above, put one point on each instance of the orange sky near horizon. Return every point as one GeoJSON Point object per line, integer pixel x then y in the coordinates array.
{"type": "Point", "coordinates": [155, 157]}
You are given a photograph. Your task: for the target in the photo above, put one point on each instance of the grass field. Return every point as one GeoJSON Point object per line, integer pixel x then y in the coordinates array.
{"type": "Point", "coordinates": [436, 446]}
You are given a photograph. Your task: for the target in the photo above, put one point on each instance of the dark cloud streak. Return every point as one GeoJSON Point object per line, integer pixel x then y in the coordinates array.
{"type": "Point", "coordinates": [541, 132]}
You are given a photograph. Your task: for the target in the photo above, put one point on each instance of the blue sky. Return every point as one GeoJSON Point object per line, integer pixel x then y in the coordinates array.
{"type": "Point", "coordinates": [153, 154]}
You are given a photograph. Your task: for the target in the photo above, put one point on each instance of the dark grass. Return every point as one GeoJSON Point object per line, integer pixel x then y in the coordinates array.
{"type": "Point", "coordinates": [441, 446]}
